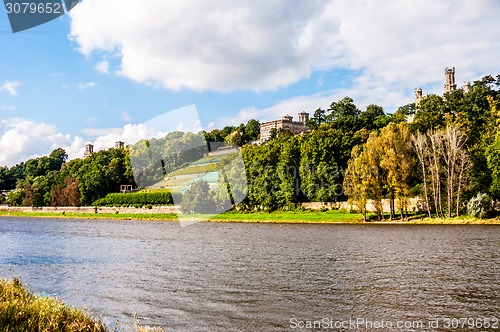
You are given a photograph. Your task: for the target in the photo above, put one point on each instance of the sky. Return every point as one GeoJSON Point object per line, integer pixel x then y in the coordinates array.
{"type": "Point", "coordinates": [99, 72]}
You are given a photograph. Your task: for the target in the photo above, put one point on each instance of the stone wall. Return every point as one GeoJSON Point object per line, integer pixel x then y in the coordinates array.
{"type": "Point", "coordinates": [91, 209]}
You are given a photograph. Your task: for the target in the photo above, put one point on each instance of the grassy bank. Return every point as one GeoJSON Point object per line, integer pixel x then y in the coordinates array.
{"type": "Point", "coordinates": [297, 217]}
{"type": "Point", "coordinates": [273, 217]}
{"type": "Point", "coordinates": [20, 310]}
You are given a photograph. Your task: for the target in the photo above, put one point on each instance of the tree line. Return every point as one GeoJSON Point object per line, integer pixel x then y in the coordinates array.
{"type": "Point", "coordinates": [445, 150]}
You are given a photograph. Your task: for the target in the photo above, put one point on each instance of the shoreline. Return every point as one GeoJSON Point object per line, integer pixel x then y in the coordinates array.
{"type": "Point", "coordinates": [268, 218]}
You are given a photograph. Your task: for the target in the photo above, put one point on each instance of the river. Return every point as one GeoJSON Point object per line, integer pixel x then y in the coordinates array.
{"type": "Point", "coordinates": [261, 277]}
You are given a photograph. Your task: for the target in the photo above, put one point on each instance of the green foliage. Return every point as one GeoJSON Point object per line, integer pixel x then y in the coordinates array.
{"type": "Point", "coordinates": [197, 199]}
{"type": "Point", "coordinates": [493, 162]}
{"type": "Point", "coordinates": [136, 199]}
{"type": "Point", "coordinates": [479, 206]}
{"type": "Point", "coordinates": [15, 197]}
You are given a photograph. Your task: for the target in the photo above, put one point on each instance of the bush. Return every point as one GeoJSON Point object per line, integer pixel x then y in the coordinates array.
{"type": "Point", "coordinates": [479, 206]}
{"type": "Point", "coordinates": [136, 199]}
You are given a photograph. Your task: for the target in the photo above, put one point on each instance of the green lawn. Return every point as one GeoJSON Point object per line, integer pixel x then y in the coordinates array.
{"type": "Point", "coordinates": [305, 217]}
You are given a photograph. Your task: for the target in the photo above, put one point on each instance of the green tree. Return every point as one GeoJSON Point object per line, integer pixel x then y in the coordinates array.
{"type": "Point", "coordinates": [197, 199]}
{"type": "Point", "coordinates": [493, 162]}
{"type": "Point", "coordinates": [252, 130]}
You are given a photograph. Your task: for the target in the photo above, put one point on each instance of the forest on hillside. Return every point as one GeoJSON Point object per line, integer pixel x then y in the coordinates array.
{"type": "Point", "coordinates": [445, 150]}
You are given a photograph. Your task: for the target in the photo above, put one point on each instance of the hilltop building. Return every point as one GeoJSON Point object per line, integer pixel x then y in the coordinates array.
{"type": "Point", "coordinates": [450, 85]}
{"type": "Point", "coordinates": [286, 122]}
{"type": "Point", "coordinates": [89, 148]}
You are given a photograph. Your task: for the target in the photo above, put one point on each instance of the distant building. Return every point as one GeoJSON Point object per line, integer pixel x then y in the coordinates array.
{"type": "Point", "coordinates": [286, 122]}
{"type": "Point", "coordinates": [119, 145]}
{"type": "Point", "coordinates": [89, 150]}
{"type": "Point", "coordinates": [449, 86]}
{"type": "Point", "coordinates": [449, 74]}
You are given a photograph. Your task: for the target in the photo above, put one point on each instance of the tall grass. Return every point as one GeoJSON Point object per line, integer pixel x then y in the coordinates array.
{"type": "Point", "coordinates": [20, 310]}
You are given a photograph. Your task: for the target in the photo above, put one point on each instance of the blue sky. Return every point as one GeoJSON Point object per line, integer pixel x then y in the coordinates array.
{"type": "Point", "coordinates": [93, 75]}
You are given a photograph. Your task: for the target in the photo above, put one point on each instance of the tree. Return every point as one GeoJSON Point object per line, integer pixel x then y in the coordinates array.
{"type": "Point", "coordinates": [317, 119]}
{"type": "Point", "coordinates": [493, 162]}
{"type": "Point", "coordinates": [196, 199]}
{"type": "Point", "coordinates": [344, 115]}
{"type": "Point", "coordinates": [420, 145]}
{"type": "Point", "coordinates": [373, 117]}
{"type": "Point", "coordinates": [252, 130]}
{"type": "Point", "coordinates": [355, 184]}
{"type": "Point", "coordinates": [374, 178]}
{"type": "Point", "coordinates": [396, 161]}
{"type": "Point", "coordinates": [319, 172]}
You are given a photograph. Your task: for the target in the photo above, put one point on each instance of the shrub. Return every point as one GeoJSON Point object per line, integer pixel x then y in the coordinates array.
{"type": "Point", "coordinates": [479, 206]}
{"type": "Point", "coordinates": [136, 199]}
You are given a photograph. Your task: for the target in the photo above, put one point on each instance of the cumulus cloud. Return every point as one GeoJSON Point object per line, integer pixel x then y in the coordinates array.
{"type": "Point", "coordinates": [21, 139]}
{"type": "Point", "coordinates": [222, 45]}
{"type": "Point", "coordinates": [389, 48]}
{"type": "Point", "coordinates": [10, 87]}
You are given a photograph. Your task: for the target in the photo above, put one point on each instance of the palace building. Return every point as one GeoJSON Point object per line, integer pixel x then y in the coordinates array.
{"type": "Point", "coordinates": [287, 123]}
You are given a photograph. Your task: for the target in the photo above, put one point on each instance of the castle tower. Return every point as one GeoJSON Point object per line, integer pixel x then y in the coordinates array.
{"type": "Point", "coordinates": [287, 118]}
{"type": "Point", "coordinates": [418, 96]}
{"type": "Point", "coordinates": [304, 117]}
{"type": "Point", "coordinates": [450, 80]}
{"type": "Point", "coordinates": [466, 87]}
{"type": "Point", "coordinates": [89, 150]}
{"type": "Point", "coordinates": [119, 145]}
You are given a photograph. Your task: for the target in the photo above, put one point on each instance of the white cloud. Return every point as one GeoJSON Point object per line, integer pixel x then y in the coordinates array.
{"type": "Point", "coordinates": [222, 45]}
{"type": "Point", "coordinates": [21, 139]}
{"type": "Point", "coordinates": [10, 87]}
{"type": "Point", "coordinates": [389, 47]}
{"type": "Point", "coordinates": [85, 85]}
{"type": "Point", "coordinates": [102, 67]}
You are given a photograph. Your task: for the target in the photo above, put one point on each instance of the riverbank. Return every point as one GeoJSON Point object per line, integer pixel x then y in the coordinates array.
{"type": "Point", "coordinates": [21, 310]}
{"type": "Point", "coordinates": [291, 217]}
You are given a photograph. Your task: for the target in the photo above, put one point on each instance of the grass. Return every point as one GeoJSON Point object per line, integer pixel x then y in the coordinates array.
{"type": "Point", "coordinates": [333, 216]}
{"type": "Point", "coordinates": [299, 217]}
{"type": "Point", "coordinates": [20, 310]}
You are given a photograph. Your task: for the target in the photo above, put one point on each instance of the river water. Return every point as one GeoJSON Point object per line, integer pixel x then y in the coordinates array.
{"type": "Point", "coordinates": [261, 277]}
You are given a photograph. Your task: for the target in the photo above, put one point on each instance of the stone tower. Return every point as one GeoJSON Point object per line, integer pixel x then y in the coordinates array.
{"type": "Point", "coordinates": [304, 117]}
{"type": "Point", "coordinates": [450, 80]}
{"type": "Point", "coordinates": [119, 145]}
{"type": "Point", "coordinates": [89, 150]}
{"type": "Point", "coordinates": [418, 96]}
{"type": "Point", "coordinates": [466, 87]}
